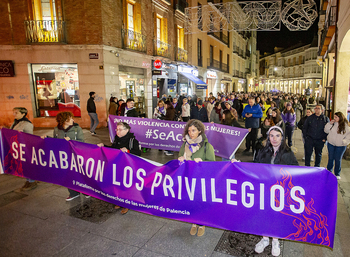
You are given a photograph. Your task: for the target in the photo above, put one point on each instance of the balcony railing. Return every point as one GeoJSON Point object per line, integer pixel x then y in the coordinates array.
{"type": "Point", "coordinates": [330, 22]}
{"type": "Point", "coordinates": [181, 5]}
{"type": "Point", "coordinates": [236, 73]}
{"type": "Point", "coordinates": [241, 74]}
{"type": "Point", "coordinates": [240, 53]}
{"type": "Point", "coordinates": [221, 36]}
{"type": "Point", "coordinates": [133, 41]}
{"type": "Point", "coordinates": [247, 53]}
{"type": "Point", "coordinates": [48, 31]}
{"type": "Point", "coordinates": [235, 49]}
{"type": "Point", "coordinates": [181, 54]}
{"type": "Point", "coordinates": [161, 49]}
{"type": "Point", "coordinates": [214, 64]}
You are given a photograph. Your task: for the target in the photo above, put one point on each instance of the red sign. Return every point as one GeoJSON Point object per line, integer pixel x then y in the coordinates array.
{"type": "Point", "coordinates": [157, 64]}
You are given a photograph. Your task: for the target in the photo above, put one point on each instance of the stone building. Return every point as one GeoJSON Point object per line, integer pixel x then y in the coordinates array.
{"type": "Point", "coordinates": [291, 70]}
{"type": "Point", "coordinates": [54, 52]}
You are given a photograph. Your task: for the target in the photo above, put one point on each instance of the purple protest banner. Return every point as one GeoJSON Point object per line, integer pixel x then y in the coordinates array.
{"type": "Point", "coordinates": [167, 135]}
{"type": "Point", "coordinates": [289, 202]}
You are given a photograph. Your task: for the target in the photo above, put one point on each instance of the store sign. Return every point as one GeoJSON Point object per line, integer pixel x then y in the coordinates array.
{"type": "Point", "coordinates": [156, 72]}
{"type": "Point", "coordinates": [211, 74]}
{"type": "Point", "coordinates": [157, 64]}
{"type": "Point", "coordinates": [202, 86]}
{"type": "Point", "coordinates": [7, 69]}
{"type": "Point", "coordinates": [127, 60]}
{"type": "Point", "coordinates": [188, 70]}
{"type": "Point", "coordinates": [93, 56]}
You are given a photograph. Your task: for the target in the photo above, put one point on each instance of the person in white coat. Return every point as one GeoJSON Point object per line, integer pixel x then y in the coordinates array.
{"type": "Point", "coordinates": [338, 138]}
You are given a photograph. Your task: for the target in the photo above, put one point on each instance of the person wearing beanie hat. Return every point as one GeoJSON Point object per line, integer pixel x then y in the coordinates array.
{"type": "Point", "coordinates": [275, 152]}
{"type": "Point", "coordinates": [199, 112]}
{"type": "Point", "coordinates": [289, 117]}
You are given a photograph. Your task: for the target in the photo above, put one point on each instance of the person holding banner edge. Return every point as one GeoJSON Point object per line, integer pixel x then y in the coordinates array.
{"type": "Point", "coordinates": [69, 130]}
{"type": "Point", "coordinates": [275, 151]}
{"type": "Point", "coordinates": [125, 141]}
{"type": "Point", "coordinates": [196, 148]}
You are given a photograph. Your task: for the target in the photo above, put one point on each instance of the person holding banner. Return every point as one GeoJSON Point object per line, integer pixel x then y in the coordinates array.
{"type": "Point", "coordinates": [126, 142]}
{"type": "Point", "coordinates": [23, 124]}
{"type": "Point", "coordinates": [196, 148]}
{"type": "Point", "coordinates": [69, 130]}
{"type": "Point", "coordinates": [276, 151]}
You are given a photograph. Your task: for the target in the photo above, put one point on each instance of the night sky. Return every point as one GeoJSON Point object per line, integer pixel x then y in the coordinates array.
{"type": "Point", "coordinates": [284, 38]}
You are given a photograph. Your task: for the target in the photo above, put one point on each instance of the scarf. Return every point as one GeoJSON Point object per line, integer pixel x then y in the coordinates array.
{"type": "Point", "coordinates": [212, 102]}
{"type": "Point", "coordinates": [192, 146]}
{"type": "Point", "coordinates": [161, 110]}
{"type": "Point", "coordinates": [175, 105]}
{"type": "Point", "coordinates": [218, 111]}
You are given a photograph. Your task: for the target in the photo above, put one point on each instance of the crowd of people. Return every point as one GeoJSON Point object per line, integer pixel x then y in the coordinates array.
{"type": "Point", "coordinates": [270, 118]}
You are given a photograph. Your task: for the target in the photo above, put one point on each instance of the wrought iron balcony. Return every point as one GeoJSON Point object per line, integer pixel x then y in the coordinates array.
{"type": "Point", "coordinates": [235, 49]}
{"type": "Point", "coordinates": [236, 73]}
{"type": "Point", "coordinates": [241, 74]}
{"type": "Point", "coordinates": [181, 54]}
{"type": "Point", "coordinates": [133, 41]}
{"type": "Point", "coordinates": [48, 31]}
{"type": "Point", "coordinates": [161, 49]}
{"type": "Point", "coordinates": [221, 36]}
{"type": "Point", "coordinates": [214, 64]}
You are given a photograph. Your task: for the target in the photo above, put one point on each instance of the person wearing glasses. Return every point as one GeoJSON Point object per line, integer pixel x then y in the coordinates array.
{"type": "Point", "coordinates": [125, 141]}
{"type": "Point", "coordinates": [314, 135]}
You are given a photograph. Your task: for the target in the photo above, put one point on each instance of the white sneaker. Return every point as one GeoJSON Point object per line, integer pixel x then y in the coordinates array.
{"type": "Point", "coordinates": [304, 158]}
{"type": "Point", "coordinates": [276, 251]}
{"type": "Point", "coordinates": [259, 247]}
{"type": "Point", "coordinates": [338, 177]}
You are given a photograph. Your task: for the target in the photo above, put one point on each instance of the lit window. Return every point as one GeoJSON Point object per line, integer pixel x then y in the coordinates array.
{"type": "Point", "coordinates": [130, 17]}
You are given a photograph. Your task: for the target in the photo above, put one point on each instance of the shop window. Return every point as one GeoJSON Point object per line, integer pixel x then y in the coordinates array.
{"type": "Point", "coordinates": [56, 88]}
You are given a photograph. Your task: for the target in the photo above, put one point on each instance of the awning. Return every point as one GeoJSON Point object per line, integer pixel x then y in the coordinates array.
{"type": "Point", "coordinates": [193, 78]}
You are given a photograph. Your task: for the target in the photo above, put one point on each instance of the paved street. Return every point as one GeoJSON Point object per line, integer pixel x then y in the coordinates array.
{"type": "Point", "coordinates": [41, 223]}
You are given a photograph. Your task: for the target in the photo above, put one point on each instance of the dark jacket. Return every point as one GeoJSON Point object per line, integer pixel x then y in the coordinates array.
{"type": "Point", "coordinates": [285, 158]}
{"type": "Point", "coordinates": [74, 132]}
{"type": "Point", "coordinates": [301, 122]}
{"type": "Point", "coordinates": [199, 114]}
{"type": "Point", "coordinates": [131, 113]}
{"type": "Point", "coordinates": [91, 107]}
{"type": "Point", "coordinates": [235, 123]}
{"type": "Point", "coordinates": [314, 127]}
{"type": "Point", "coordinates": [206, 152]}
{"type": "Point", "coordinates": [252, 122]}
{"type": "Point", "coordinates": [129, 142]}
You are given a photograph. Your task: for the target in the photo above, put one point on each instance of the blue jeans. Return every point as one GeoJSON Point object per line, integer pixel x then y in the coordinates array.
{"type": "Point", "coordinates": [335, 154]}
{"type": "Point", "coordinates": [309, 146]}
{"type": "Point", "coordinates": [289, 134]}
{"type": "Point", "coordinates": [94, 121]}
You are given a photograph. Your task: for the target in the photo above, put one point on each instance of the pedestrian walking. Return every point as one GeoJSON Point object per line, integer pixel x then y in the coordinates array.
{"type": "Point", "coordinates": [23, 124]}
{"type": "Point", "coordinates": [196, 148]}
{"type": "Point", "coordinates": [338, 138]}
{"type": "Point", "coordinates": [314, 135]}
{"type": "Point", "coordinates": [91, 109]}
{"type": "Point", "coordinates": [301, 126]}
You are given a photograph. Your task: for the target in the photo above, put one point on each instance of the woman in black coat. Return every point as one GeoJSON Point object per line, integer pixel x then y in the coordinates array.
{"type": "Point", "coordinates": [276, 151]}
{"type": "Point", "coordinates": [125, 141]}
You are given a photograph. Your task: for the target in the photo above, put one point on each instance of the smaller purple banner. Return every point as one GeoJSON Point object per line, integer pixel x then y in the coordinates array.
{"type": "Point", "coordinates": [167, 135]}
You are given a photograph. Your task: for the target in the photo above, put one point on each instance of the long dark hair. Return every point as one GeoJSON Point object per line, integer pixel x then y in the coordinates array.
{"type": "Point", "coordinates": [286, 110]}
{"type": "Point", "coordinates": [229, 118]}
{"type": "Point", "coordinates": [278, 115]}
{"type": "Point", "coordinates": [341, 123]}
{"type": "Point", "coordinates": [268, 149]}
{"type": "Point", "coordinates": [169, 105]}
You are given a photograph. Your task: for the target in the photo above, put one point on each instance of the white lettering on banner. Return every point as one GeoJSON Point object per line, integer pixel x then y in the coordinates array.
{"type": "Point", "coordinates": [226, 131]}
{"type": "Point", "coordinates": [162, 136]}
{"type": "Point", "coordinates": [185, 187]}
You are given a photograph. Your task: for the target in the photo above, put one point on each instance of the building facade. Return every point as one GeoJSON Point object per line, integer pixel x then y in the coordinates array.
{"type": "Point", "coordinates": [291, 70]}
{"type": "Point", "coordinates": [54, 52]}
{"type": "Point", "coordinates": [334, 53]}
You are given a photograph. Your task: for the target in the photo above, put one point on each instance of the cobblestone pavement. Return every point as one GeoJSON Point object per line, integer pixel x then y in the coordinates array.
{"type": "Point", "coordinates": [41, 223]}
